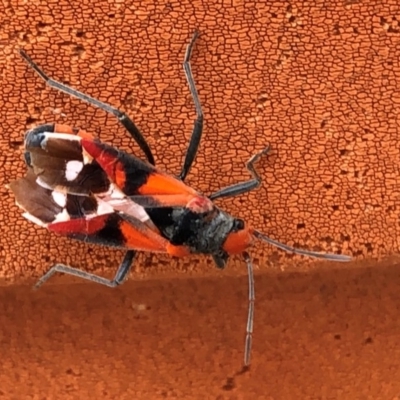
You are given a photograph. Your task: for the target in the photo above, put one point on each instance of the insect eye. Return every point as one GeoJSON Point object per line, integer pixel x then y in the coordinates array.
{"type": "Point", "coordinates": [238, 225]}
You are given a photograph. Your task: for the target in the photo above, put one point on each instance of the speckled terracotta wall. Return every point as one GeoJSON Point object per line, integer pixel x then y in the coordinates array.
{"type": "Point", "coordinates": [318, 81]}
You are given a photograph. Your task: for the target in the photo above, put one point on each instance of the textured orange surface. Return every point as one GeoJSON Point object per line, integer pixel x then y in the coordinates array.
{"type": "Point", "coordinates": [322, 335]}
{"type": "Point", "coordinates": [318, 81]}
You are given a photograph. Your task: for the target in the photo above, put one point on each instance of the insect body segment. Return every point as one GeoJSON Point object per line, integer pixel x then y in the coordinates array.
{"type": "Point", "coordinates": [93, 192]}
{"type": "Point", "coordinates": [80, 187]}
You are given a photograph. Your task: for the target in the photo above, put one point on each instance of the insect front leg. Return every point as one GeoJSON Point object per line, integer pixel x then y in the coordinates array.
{"type": "Point", "coordinates": [243, 187]}
{"type": "Point", "coordinates": [119, 277]}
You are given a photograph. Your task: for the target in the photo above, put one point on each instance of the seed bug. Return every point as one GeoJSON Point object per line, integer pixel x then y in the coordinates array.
{"type": "Point", "coordinates": [82, 188]}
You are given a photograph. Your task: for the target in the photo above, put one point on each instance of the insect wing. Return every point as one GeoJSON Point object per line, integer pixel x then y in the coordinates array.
{"type": "Point", "coordinates": [78, 164]}
{"type": "Point", "coordinates": [84, 218]}
{"type": "Point", "coordinates": [115, 230]}
{"type": "Point", "coordinates": [137, 178]}
{"type": "Point", "coordinates": [46, 206]}
{"type": "Point", "coordinates": [58, 161]}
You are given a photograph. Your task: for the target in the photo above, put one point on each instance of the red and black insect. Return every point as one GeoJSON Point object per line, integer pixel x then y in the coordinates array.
{"type": "Point", "coordinates": [82, 188]}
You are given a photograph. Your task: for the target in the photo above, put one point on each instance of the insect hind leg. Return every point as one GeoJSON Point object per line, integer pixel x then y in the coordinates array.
{"type": "Point", "coordinates": [198, 124]}
{"type": "Point", "coordinates": [243, 187]}
{"type": "Point", "coordinates": [118, 279]}
{"type": "Point", "coordinates": [121, 116]}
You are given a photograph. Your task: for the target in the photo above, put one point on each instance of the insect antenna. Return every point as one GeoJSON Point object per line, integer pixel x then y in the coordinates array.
{"type": "Point", "coordinates": [250, 314]}
{"type": "Point", "coordinates": [285, 247]}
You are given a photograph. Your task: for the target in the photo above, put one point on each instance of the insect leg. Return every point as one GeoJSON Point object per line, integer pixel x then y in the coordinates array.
{"type": "Point", "coordinates": [250, 314]}
{"type": "Point", "coordinates": [243, 187]}
{"type": "Point", "coordinates": [198, 124]}
{"type": "Point", "coordinates": [119, 277]}
{"type": "Point", "coordinates": [121, 116]}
